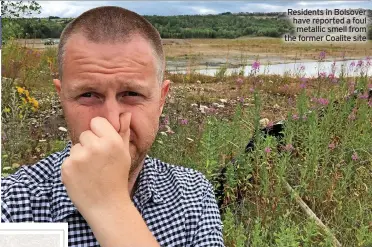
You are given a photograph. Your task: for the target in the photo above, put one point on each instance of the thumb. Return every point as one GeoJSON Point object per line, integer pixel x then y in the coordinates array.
{"type": "Point", "coordinates": [124, 130]}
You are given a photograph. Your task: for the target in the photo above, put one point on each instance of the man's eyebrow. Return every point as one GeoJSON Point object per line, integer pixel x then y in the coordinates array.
{"type": "Point", "coordinates": [130, 85]}
{"type": "Point", "coordinates": [133, 86]}
{"type": "Point", "coordinates": [79, 86]}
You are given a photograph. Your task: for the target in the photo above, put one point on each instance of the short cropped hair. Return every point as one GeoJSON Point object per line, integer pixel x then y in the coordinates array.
{"type": "Point", "coordinates": [110, 24]}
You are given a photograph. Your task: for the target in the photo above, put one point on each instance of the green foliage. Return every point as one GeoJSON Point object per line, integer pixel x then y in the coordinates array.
{"type": "Point", "coordinates": [219, 26]}
{"type": "Point", "coordinates": [182, 27]}
{"type": "Point", "coordinates": [17, 107]}
{"type": "Point", "coordinates": [185, 26]}
{"type": "Point", "coordinates": [26, 77]}
{"type": "Point", "coordinates": [233, 231]}
{"type": "Point", "coordinates": [12, 9]}
{"type": "Point", "coordinates": [287, 234]}
{"type": "Point", "coordinates": [259, 235]}
{"type": "Point", "coordinates": [12, 28]}
{"type": "Point", "coordinates": [221, 72]}
{"type": "Point", "coordinates": [30, 67]}
{"type": "Point", "coordinates": [364, 236]}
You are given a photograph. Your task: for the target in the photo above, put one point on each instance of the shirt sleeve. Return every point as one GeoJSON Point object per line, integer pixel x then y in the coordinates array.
{"type": "Point", "coordinates": [209, 229]}
{"type": "Point", "coordinates": [5, 213]}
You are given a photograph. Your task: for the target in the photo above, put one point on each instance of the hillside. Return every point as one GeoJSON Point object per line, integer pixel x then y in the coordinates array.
{"type": "Point", "coordinates": [224, 25]}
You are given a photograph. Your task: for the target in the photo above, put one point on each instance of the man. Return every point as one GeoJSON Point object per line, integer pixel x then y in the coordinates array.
{"type": "Point", "coordinates": [104, 184]}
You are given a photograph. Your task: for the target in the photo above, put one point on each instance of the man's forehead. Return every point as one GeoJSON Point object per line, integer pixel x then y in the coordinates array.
{"type": "Point", "coordinates": [117, 83]}
{"type": "Point", "coordinates": [136, 42]}
{"type": "Point", "coordinates": [136, 52]}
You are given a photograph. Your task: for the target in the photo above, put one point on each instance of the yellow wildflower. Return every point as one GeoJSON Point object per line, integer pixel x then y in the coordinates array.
{"type": "Point", "coordinates": [34, 102]}
{"type": "Point", "coordinates": [20, 90]}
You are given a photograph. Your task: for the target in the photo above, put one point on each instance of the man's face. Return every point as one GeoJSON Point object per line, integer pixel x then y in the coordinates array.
{"type": "Point", "coordinates": [107, 80]}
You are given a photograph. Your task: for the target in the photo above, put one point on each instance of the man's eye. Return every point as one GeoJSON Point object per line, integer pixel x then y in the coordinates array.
{"type": "Point", "coordinates": [89, 98]}
{"type": "Point", "coordinates": [87, 95]}
{"type": "Point", "coordinates": [130, 93]}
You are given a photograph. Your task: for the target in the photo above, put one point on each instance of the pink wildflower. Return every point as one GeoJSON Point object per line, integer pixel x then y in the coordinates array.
{"type": "Point", "coordinates": [166, 120]}
{"type": "Point", "coordinates": [368, 61]}
{"type": "Point", "coordinates": [256, 65]}
{"type": "Point", "coordinates": [323, 101]}
{"type": "Point", "coordinates": [354, 156]}
{"type": "Point", "coordinates": [332, 146]}
{"type": "Point", "coordinates": [184, 121]}
{"type": "Point", "coordinates": [364, 96]}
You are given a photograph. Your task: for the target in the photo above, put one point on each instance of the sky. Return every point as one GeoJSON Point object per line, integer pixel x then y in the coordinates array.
{"type": "Point", "coordinates": [75, 8]}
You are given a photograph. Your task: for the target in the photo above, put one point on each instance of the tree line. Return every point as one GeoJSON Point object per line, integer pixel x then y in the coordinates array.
{"type": "Point", "coordinates": [224, 25]}
{"type": "Point", "coordinates": [219, 26]}
{"type": "Point", "coordinates": [183, 26]}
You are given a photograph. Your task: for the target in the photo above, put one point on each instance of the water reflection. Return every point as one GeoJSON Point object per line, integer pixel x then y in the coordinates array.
{"type": "Point", "coordinates": [306, 69]}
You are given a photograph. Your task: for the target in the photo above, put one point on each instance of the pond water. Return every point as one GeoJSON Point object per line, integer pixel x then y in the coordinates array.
{"type": "Point", "coordinates": [307, 69]}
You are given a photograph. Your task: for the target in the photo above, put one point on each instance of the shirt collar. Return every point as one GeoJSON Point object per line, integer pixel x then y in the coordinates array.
{"type": "Point", "coordinates": [147, 187]}
{"type": "Point", "coordinates": [62, 206]}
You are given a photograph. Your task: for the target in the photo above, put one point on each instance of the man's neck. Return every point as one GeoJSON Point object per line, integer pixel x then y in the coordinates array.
{"type": "Point", "coordinates": [133, 179]}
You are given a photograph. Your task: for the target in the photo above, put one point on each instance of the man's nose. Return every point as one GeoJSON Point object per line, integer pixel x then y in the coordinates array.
{"type": "Point", "coordinates": [111, 112]}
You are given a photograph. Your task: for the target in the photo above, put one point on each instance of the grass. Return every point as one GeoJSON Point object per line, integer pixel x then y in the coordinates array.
{"type": "Point", "coordinates": [328, 164]}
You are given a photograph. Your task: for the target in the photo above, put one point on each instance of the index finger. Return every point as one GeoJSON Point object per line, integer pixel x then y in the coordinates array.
{"type": "Point", "coordinates": [124, 131]}
{"type": "Point", "coordinates": [101, 127]}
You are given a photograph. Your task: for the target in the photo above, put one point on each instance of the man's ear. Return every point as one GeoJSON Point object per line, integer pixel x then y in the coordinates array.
{"type": "Point", "coordinates": [57, 84]}
{"type": "Point", "coordinates": [164, 92]}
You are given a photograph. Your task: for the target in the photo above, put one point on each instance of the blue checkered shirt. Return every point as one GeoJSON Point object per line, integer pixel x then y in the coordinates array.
{"type": "Point", "coordinates": [177, 203]}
